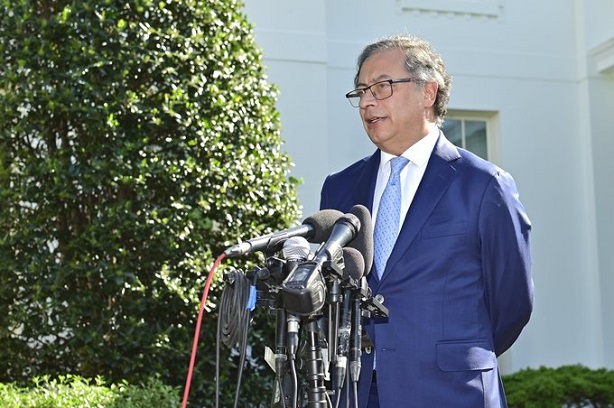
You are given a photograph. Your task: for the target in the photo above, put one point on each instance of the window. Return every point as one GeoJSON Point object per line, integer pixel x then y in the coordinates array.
{"type": "Point", "coordinates": [473, 131]}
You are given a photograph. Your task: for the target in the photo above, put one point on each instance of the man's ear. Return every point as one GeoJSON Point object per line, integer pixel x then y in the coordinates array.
{"type": "Point", "coordinates": [430, 93]}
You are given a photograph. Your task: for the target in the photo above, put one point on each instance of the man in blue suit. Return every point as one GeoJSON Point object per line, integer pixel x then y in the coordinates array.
{"type": "Point", "coordinates": [457, 282]}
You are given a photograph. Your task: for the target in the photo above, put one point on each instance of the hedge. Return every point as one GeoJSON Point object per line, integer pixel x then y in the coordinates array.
{"type": "Point", "coordinates": [565, 386]}
{"type": "Point", "coordinates": [74, 391]}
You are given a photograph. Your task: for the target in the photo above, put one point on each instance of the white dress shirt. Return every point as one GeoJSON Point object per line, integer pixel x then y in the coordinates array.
{"type": "Point", "coordinates": [411, 175]}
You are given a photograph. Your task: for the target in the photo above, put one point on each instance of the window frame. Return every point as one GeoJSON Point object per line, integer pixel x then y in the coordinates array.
{"type": "Point", "coordinates": [491, 119]}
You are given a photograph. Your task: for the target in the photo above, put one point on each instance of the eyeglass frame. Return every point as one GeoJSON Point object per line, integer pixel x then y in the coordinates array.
{"type": "Point", "coordinates": [353, 94]}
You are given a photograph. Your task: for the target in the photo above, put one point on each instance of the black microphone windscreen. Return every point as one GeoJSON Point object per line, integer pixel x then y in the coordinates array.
{"type": "Point", "coordinates": [322, 222]}
{"type": "Point", "coordinates": [364, 241]}
{"type": "Point", "coordinates": [354, 263]}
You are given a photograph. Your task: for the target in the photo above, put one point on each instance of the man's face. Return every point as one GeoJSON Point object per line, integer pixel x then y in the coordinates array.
{"type": "Point", "coordinates": [395, 123]}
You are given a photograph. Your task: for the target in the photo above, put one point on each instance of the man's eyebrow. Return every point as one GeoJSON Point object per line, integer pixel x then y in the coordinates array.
{"type": "Point", "coordinates": [382, 77]}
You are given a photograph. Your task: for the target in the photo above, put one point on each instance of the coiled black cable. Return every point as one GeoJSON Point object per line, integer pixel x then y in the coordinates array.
{"type": "Point", "coordinates": [233, 323]}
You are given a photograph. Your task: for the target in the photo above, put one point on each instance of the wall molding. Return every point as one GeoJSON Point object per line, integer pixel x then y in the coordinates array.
{"type": "Point", "coordinates": [603, 56]}
{"type": "Point", "coordinates": [491, 9]}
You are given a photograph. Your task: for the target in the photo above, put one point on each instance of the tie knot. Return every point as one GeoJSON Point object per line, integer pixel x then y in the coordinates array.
{"type": "Point", "coordinates": [397, 164]}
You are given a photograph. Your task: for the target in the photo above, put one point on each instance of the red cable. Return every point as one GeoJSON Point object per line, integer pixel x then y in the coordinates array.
{"type": "Point", "coordinates": [203, 302]}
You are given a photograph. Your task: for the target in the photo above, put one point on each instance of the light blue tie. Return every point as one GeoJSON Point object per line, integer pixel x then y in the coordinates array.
{"type": "Point", "coordinates": [388, 216]}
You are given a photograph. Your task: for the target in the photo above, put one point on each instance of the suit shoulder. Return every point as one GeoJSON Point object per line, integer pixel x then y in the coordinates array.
{"type": "Point", "coordinates": [478, 165]}
{"type": "Point", "coordinates": [463, 160]}
{"type": "Point", "coordinates": [350, 171]}
{"type": "Point", "coordinates": [349, 186]}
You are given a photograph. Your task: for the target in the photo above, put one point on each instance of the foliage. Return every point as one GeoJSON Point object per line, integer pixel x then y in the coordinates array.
{"type": "Point", "coordinates": [74, 391]}
{"type": "Point", "coordinates": [566, 386]}
{"type": "Point", "coordinates": [138, 140]}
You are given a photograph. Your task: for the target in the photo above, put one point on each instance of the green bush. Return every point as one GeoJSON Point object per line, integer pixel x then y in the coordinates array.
{"type": "Point", "coordinates": [137, 141]}
{"type": "Point", "coordinates": [566, 386]}
{"type": "Point", "coordinates": [76, 392]}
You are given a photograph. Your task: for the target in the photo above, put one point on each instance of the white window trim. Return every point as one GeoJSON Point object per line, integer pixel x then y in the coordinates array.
{"type": "Point", "coordinates": [492, 129]}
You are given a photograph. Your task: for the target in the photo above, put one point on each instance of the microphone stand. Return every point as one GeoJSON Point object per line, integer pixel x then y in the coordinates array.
{"type": "Point", "coordinates": [316, 393]}
{"type": "Point", "coordinates": [334, 302]}
{"type": "Point", "coordinates": [317, 396]}
{"type": "Point", "coordinates": [345, 328]}
{"type": "Point", "coordinates": [356, 338]}
{"type": "Point", "coordinates": [281, 356]}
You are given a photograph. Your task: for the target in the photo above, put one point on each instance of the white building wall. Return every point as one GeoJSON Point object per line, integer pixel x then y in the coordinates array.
{"type": "Point", "coordinates": [545, 67]}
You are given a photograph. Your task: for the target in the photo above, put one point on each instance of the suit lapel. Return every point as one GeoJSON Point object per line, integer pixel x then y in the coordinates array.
{"type": "Point", "coordinates": [363, 192]}
{"type": "Point", "coordinates": [439, 174]}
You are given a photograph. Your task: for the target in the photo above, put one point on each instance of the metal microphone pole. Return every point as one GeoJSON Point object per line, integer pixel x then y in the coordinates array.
{"type": "Point", "coordinates": [334, 302]}
{"type": "Point", "coordinates": [316, 392]}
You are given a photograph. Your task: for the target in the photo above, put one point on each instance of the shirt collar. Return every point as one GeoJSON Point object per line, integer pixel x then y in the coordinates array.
{"type": "Point", "coordinates": [418, 153]}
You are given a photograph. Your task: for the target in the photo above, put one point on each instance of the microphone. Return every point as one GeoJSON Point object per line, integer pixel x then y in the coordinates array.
{"type": "Point", "coordinates": [344, 230]}
{"type": "Point", "coordinates": [354, 269]}
{"type": "Point", "coordinates": [364, 241]}
{"type": "Point", "coordinates": [295, 250]}
{"type": "Point", "coordinates": [356, 335]}
{"type": "Point", "coordinates": [354, 262]}
{"type": "Point", "coordinates": [315, 228]}
{"type": "Point", "coordinates": [303, 291]}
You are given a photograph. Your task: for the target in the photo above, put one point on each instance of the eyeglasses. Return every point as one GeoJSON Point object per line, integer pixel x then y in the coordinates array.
{"type": "Point", "coordinates": [380, 90]}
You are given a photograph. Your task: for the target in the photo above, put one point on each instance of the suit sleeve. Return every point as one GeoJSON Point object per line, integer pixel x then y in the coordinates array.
{"type": "Point", "coordinates": [504, 229]}
{"type": "Point", "coordinates": [324, 195]}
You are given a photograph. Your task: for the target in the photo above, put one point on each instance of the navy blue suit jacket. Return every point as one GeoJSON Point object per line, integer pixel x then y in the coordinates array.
{"type": "Point", "coordinates": [457, 285]}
